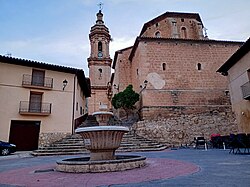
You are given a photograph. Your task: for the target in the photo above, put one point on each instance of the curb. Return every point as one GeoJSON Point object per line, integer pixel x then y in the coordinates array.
{"type": "Point", "coordinates": [18, 154]}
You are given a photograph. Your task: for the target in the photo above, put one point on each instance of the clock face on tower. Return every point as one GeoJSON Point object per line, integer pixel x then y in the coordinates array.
{"type": "Point", "coordinates": [99, 54]}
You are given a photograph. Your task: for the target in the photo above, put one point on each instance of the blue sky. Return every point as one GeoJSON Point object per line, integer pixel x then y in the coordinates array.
{"type": "Point", "coordinates": [56, 31]}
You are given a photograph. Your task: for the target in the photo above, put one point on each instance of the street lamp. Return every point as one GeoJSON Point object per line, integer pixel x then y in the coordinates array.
{"type": "Point", "coordinates": [109, 91]}
{"type": "Point", "coordinates": [116, 87]}
{"type": "Point", "coordinates": [65, 82]}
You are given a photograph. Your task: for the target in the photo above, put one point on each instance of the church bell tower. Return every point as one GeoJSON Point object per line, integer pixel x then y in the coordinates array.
{"type": "Point", "coordinates": [99, 64]}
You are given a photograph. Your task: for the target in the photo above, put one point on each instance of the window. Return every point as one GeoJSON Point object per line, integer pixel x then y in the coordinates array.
{"type": "Point", "coordinates": [199, 66]}
{"type": "Point", "coordinates": [182, 20]}
{"type": "Point", "coordinates": [100, 46]}
{"type": "Point", "coordinates": [164, 66]}
{"type": "Point", "coordinates": [183, 32]}
{"type": "Point", "coordinates": [100, 73]}
{"type": "Point", "coordinates": [157, 24]}
{"type": "Point", "coordinates": [100, 54]}
{"type": "Point", "coordinates": [80, 110]}
{"type": "Point", "coordinates": [35, 104]}
{"type": "Point", "coordinates": [76, 106]}
{"type": "Point", "coordinates": [38, 77]}
{"type": "Point", "coordinates": [158, 34]}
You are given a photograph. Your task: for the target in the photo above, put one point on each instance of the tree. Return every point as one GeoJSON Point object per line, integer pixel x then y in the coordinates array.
{"type": "Point", "coordinates": [126, 99]}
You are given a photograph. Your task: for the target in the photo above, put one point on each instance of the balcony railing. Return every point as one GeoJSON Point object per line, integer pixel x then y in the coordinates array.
{"type": "Point", "coordinates": [36, 81]}
{"type": "Point", "coordinates": [246, 90]}
{"type": "Point", "coordinates": [34, 108]}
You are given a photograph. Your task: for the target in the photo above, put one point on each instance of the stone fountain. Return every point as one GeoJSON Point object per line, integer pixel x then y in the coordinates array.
{"type": "Point", "coordinates": [102, 142]}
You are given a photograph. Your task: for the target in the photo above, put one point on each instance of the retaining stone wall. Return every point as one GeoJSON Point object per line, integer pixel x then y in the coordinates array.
{"type": "Point", "coordinates": [46, 139]}
{"type": "Point", "coordinates": [182, 130]}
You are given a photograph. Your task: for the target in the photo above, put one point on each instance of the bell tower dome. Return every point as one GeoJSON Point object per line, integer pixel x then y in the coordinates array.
{"type": "Point", "coordinates": [99, 63]}
{"type": "Point", "coordinates": [99, 41]}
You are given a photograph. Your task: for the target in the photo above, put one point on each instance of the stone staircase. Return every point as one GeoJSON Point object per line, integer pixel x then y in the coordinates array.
{"type": "Point", "coordinates": [133, 142]}
{"type": "Point", "coordinates": [74, 145]}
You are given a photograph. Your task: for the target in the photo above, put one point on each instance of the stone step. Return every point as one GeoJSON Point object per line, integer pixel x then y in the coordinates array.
{"type": "Point", "coordinates": [123, 140]}
{"type": "Point", "coordinates": [71, 145]}
{"type": "Point", "coordinates": [66, 146]}
{"type": "Point", "coordinates": [57, 153]}
{"type": "Point", "coordinates": [145, 146]}
{"type": "Point", "coordinates": [67, 143]}
{"type": "Point", "coordinates": [62, 147]}
{"type": "Point", "coordinates": [141, 149]}
{"type": "Point", "coordinates": [139, 144]}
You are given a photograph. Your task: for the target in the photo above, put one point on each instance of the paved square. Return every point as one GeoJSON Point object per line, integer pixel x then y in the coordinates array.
{"type": "Point", "coordinates": [182, 167]}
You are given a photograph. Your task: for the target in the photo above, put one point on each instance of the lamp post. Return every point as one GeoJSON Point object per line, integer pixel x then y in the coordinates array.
{"type": "Point", "coordinates": [65, 82]}
{"type": "Point", "coordinates": [116, 87]}
{"type": "Point", "coordinates": [109, 91]}
{"type": "Point", "coordinates": [144, 86]}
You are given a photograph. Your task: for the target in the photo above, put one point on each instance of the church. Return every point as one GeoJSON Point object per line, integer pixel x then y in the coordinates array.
{"type": "Point", "coordinates": [172, 64]}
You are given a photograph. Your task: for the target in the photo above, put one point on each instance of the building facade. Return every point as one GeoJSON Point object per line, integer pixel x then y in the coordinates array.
{"type": "Point", "coordinates": [40, 103]}
{"type": "Point", "coordinates": [172, 64]}
{"type": "Point", "coordinates": [237, 70]}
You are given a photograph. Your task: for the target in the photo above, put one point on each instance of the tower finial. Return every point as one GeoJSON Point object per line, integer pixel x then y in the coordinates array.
{"type": "Point", "coordinates": [100, 5]}
{"type": "Point", "coordinates": [99, 15]}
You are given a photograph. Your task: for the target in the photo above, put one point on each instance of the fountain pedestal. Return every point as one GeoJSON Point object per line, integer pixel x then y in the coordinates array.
{"type": "Point", "coordinates": [102, 117]}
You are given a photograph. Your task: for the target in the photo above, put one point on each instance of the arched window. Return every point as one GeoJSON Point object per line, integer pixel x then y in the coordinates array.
{"type": "Point", "coordinates": [183, 32]}
{"type": "Point", "coordinates": [158, 34]}
{"type": "Point", "coordinates": [199, 66]}
{"type": "Point", "coordinates": [100, 53]}
{"type": "Point", "coordinates": [164, 66]}
{"type": "Point", "coordinates": [100, 46]}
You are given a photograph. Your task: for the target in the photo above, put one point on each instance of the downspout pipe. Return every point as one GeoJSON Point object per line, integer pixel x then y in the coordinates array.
{"type": "Point", "coordinates": [73, 112]}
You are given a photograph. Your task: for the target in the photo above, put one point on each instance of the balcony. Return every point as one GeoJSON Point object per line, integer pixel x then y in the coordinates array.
{"type": "Point", "coordinates": [30, 81]}
{"type": "Point", "coordinates": [246, 90]}
{"type": "Point", "coordinates": [34, 108]}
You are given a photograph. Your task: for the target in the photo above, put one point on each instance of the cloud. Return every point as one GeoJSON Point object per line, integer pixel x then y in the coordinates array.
{"type": "Point", "coordinates": [71, 51]}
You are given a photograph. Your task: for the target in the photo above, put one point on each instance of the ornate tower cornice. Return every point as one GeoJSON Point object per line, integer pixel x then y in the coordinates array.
{"type": "Point", "coordinates": [99, 40]}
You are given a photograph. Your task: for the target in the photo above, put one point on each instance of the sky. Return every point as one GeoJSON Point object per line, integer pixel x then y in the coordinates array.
{"type": "Point", "coordinates": [56, 31]}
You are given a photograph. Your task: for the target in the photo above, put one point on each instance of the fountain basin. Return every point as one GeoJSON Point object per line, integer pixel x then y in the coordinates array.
{"type": "Point", "coordinates": [102, 117]}
{"type": "Point", "coordinates": [102, 141]}
{"type": "Point", "coordinates": [84, 165]}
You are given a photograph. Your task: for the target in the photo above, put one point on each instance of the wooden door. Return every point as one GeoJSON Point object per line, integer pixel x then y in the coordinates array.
{"type": "Point", "coordinates": [38, 77]}
{"type": "Point", "coordinates": [24, 134]}
{"type": "Point", "coordinates": [35, 103]}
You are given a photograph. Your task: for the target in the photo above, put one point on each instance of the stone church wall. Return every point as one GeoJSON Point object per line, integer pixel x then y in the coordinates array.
{"type": "Point", "coordinates": [181, 86]}
{"type": "Point", "coordinates": [182, 130]}
{"type": "Point", "coordinates": [171, 28]}
{"type": "Point", "coordinates": [122, 76]}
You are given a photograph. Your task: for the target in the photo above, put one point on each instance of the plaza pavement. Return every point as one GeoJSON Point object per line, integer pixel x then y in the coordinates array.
{"type": "Point", "coordinates": [181, 167]}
